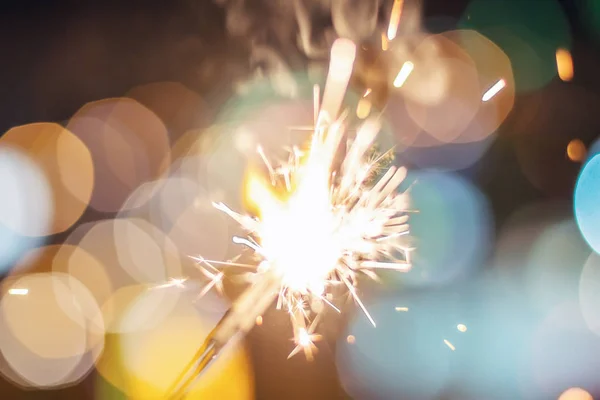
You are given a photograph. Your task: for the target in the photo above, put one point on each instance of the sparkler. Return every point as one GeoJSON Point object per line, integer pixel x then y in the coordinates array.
{"type": "Point", "coordinates": [320, 224]}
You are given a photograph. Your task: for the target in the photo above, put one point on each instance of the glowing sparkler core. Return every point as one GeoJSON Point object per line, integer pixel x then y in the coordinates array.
{"type": "Point", "coordinates": [298, 236]}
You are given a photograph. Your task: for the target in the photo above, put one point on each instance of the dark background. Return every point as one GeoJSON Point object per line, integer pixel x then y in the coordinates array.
{"type": "Point", "coordinates": [57, 55]}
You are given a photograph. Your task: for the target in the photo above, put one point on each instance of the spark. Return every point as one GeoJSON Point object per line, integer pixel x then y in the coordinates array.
{"type": "Point", "coordinates": [18, 291]}
{"type": "Point", "coordinates": [172, 282]}
{"type": "Point", "coordinates": [351, 339]}
{"type": "Point", "coordinates": [305, 339]}
{"type": "Point", "coordinates": [403, 74]}
{"type": "Point", "coordinates": [491, 92]}
{"type": "Point", "coordinates": [321, 223]}
{"type": "Point", "coordinates": [384, 42]}
{"type": "Point", "coordinates": [450, 345]}
{"type": "Point", "coordinates": [394, 19]}
{"type": "Point", "coordinates": [461, 327]}
{"type": "Point", "coordinates": [564, 64]}
{"type": "Point", "coordinates": [259, 320]}
{"type": "Point", "coordinates": [402, 309]}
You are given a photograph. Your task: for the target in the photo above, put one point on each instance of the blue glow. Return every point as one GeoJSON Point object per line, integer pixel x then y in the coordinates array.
{"type": "Point", "coordinates": [405, 356]}
{"type": "Point", "coordinates": [587, 202]}
{"type": "Point", "coordinates": [451, 228]}
{"type": "Point", "coordinates": [13, 246]}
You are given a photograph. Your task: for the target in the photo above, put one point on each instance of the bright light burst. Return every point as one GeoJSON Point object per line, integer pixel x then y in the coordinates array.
{"type": "Point", "coordinates": [325, 216]}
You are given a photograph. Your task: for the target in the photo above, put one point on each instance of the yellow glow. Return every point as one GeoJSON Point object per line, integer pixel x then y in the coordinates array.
{"type": "Point", "coordinates": [403, 74]}
{"type": "Point", "coordinates": [395, 19]}
{"type": "Point", "coordinates": [351, 339]}
{"type": "Point", "coordinates": [363, 109]}
{"type": "Point", "coordinates": [564, 64]}
{"type": "Point", "coordinates": [401, 308]}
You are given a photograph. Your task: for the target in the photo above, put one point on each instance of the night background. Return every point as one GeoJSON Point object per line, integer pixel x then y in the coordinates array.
{"type": "Point", "coordinates": [122, 123]}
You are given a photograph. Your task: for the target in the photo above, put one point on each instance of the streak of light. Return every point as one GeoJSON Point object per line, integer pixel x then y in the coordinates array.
{"type": "Point", "coordinates": [316, 102]}
{"type": "Point", "coordinates": [491, 92]}
{"type": "Point", "coordinates": [18, 291]}
{"type": "Point", "coordinates": [395, 19]}
{"type": "Point", "coordinates": [403, 74]}
{"type": "Point", "coordinates": [343, 53]}
{"type": "Point", "coordinates": [564, 64]}
{"type": "Point", "coordinates": [403, 309]}
{"type": "Point", "coordinates": [450, 345]}
{"type": "Point", "coordinates": [224, 263]}
{"type": "Point", "coordinates": [172, 282]}
{"type": "Point", "coordinates": [385, 45]}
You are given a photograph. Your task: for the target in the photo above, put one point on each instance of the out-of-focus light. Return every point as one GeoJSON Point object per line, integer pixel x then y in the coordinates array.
{"type": "Point", "coordinates": [525, 29]}
{"type": "Point", "coordinates": [404, 73]}
{"type": "Point", "coordinates": [395, 19]}
{"type": "Point", "coordinates": [450, 345]}
{"type": "Point", "coordinates": [176, 105]}
{"type": "Point", "coordinates": [18, 291]}
{"type": "Point", "coordinates": [26, 203]}
{"type": "Point", "coordinates": [403, 309]}
{"type": "Point", "coordinates": [447, 204]}
{"type": "Point", "coordinates": [589, 293]}
{"type": "Point", "coordinates": [259, 320]}
{"type": "Point", "coordinates": [385, 45]}
{"type": "Point", "coordinates": [491, 62]}
{"type": "Point", "coordinates": [564, 64]}
{"type": "Point", "coordinates": [52, 338]}
{"type": "Point", "coordinates": [564, 352]}
{"type": "Point", "coordinates": [129, 267]}
{"type": "Point", "coordinates": [404, 354]}
{"type": "Point", "coordinates": [575, 394]}
{"type": "Point", "coordinates": [576, 150]}
{"type": "Point", "coordinates": [363, 109]}
{"type": "Point", "coordinates": [171, 343]}
{"type": "Point", "coordinates": [587, 193]}
{"type": "Point", "coordinates": [67, 166]}
{"type": "Point", "coordinates": [553, 263]}
{"type": "Point", "coordinates": [351, 339]}
{"type": "Point", "coordinates": [461, 327]}
{"type": "Point", "coordinates": [452, 82]}
{"type": "Point", "coordinates": [494, 90]}
{"type": "Point", "coordinates": [129, 145]}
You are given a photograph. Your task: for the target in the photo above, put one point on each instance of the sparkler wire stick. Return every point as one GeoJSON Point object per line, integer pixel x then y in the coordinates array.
{"type": "Point", "coordinates": [234, 325]}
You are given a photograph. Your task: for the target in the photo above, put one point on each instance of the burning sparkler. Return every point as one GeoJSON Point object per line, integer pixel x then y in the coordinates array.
{"type": "Point", "coordinates": [320, 224]}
